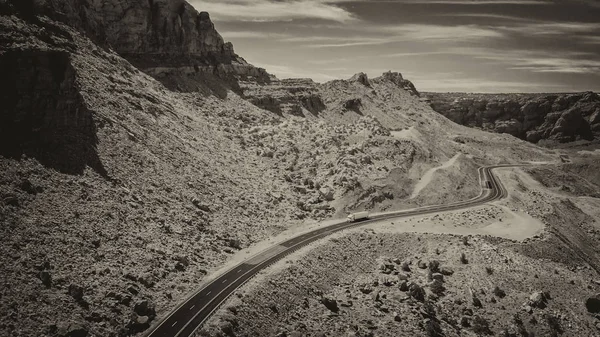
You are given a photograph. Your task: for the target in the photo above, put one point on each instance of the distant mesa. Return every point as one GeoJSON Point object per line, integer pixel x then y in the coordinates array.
{"type": "Point", "coordinates": [533, 117]}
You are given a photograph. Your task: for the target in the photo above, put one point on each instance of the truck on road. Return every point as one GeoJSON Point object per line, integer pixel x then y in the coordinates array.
{"type": "Point", "coordinates": [358, 216]}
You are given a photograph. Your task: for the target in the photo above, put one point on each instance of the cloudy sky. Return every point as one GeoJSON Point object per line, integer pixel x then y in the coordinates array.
{"type": "Point", "coordinates": [441, 45]}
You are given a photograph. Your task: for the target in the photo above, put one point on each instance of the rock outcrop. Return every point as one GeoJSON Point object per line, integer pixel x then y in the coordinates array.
{"type": "Point", "coordinates": [533, 117]}
{"type": "Point", "coordinates": [302, 97]}
{"type": "Point", "coordinates": [160, 37]}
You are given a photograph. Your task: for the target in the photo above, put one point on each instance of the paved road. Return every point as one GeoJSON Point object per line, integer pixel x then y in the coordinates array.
{"type": "Point", "coordinates": [189, 316]}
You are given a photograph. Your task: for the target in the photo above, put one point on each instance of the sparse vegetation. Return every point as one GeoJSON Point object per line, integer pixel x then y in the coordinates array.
{"type": "Point", "coordinates": [463, 258]}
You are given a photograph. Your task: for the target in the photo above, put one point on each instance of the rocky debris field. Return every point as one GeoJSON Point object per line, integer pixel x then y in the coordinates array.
{"type": "Point", "coordinates": [581, 177]}
{"type": "Point", "coordinates": [534, 117]}
{"type": "Point", "coordinates": [369, 284]}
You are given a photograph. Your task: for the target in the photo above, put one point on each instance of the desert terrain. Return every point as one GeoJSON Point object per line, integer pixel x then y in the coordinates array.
{"type": "Point", "coordinates": [133, 172]}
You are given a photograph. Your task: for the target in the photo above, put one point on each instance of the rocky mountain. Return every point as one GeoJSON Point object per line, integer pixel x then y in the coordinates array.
{"type": "Point", "coordinates": [167, 39]}
{"type": "Point", "coordinates": [534, 117]}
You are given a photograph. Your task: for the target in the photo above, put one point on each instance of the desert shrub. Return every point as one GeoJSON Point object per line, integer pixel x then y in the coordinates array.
{"type": "Point", "coordinates": [499, 292]}
{"type": "Point", "coordinates": [489, 270]}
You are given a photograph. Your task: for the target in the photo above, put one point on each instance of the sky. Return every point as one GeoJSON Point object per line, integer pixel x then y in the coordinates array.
{"type": "Point", "coordinates": [440, 45]}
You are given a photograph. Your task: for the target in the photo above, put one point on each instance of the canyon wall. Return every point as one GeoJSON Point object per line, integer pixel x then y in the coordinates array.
{"type": "Point", "coordinates": [533, 117]}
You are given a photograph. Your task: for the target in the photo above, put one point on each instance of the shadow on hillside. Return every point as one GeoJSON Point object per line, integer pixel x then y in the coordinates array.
{"type": "Point", "coordinates": [43, 115]}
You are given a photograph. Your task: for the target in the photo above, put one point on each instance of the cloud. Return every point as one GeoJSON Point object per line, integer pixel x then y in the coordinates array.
{"type": "Point", "coordinates": [483, 85]}
{"type": "Point", "coordinates": [381, 35]}
{"type": "Point", "coordinates": [284, 71]}
{"type": "Point", "coordinates": [270, 10]}
{"type": "Point", "coordinates": [253, 35]}
{"type": "Point", "coordinates": [553, 28]}
{"type": "Point", "coordinates": [537, 61]}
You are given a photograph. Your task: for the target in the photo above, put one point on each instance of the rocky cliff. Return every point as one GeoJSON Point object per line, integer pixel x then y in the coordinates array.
{"type": "Point", "coordinates": [304, 97]}
{"type": "Point", "coordinates": [163, 38]}
{"type": "Point", "coordinates": [534, 117]}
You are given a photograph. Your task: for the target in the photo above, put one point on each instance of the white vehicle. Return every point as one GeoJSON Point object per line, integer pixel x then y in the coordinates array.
{"type": "Point", "coordinates": [358, 216]}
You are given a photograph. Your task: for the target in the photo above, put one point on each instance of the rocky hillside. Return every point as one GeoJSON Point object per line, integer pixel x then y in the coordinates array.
{"type": "Point", "coordinates": [118, 195]}
{"type": "Point", "coordinates": [534, 117]}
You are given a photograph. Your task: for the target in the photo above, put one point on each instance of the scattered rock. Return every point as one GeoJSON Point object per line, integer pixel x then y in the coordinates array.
{"type": "Point", "coordinates": [422, 264]}
{"type": "Point", "coordinates": [145, 308]}
{"type": "Point", "coordinates": [148, 280]}
{"type": "Point", "coordinates": [403, 286]}
{"type": "Point", "coordinates": [434, 266]}
{"type": "Point", "coordinates": [235, 243]}
{"type": "Point", "coordinates": [138, 323]}
{"type": "Point", "coordinates": [202, 206]}
{"type": "Point", "coordinates": [327, 193]}
{"type": "Point", "coordinates": [76, 292]}
{"type": "Point", "coordinates": [72, 330]}
{"type": "Point", "coordinates": [330, 303]}
{"type": "Point", "coordinates": [499, 292]}
{"type": "Point", "coordinates": [476, 302]}
{"type": "Point", "coordinates": [446, 271]}
{"type": "Point", "coordinates": [437, 276]}
{"type": "Point", "coordinates": [416, 291]}
{"type": "Point", "coordinates": [538, 300]}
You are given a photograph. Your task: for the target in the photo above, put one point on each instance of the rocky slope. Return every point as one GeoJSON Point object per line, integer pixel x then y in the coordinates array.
{"type": "Point", "coordinates": [534, 117]}
{"type": "Point", "coordinates": [118, 195]}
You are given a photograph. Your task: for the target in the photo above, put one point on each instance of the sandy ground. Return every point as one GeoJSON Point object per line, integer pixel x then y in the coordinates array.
{"type": "Point", "coordinates": [427, 177]}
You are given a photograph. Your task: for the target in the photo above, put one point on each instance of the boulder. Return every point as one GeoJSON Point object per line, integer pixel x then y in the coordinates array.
{"type": "Point", "coordinates": [326, 193]}
{"type": "Point", "coordinates": [145, 308]}
{"type": "Point", "coordinates": [416, 291]}
{"type": "Point", "coordinates": [592, 304]}
{"type": "Point", "coordinates": [76, 292]}
{"type": "Point", "coordinates": [538, 299]}
{"type": "Point", "coordinates": [330, 303]}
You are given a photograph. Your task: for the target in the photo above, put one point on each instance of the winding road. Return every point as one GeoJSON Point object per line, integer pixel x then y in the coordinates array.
{"type": "Point", "coordinates": [190, 315]}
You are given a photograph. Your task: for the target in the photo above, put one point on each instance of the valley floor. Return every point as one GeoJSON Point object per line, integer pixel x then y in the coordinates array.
{"type": "Point", "coordinates": [521, 266]}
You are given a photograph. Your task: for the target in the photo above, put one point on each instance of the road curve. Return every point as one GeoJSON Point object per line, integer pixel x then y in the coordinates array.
{"type": "Point", "coordinates": [189, 316]}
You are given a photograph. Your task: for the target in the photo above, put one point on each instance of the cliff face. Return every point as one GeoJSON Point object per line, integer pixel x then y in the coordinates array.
{"type": "Point", "coordinates": [160, 37]}
{"type": "Point", "coordinates": [534, 117]}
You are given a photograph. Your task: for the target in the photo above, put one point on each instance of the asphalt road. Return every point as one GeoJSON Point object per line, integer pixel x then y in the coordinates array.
{"type": "Point", "coordinates": [189, 316]}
